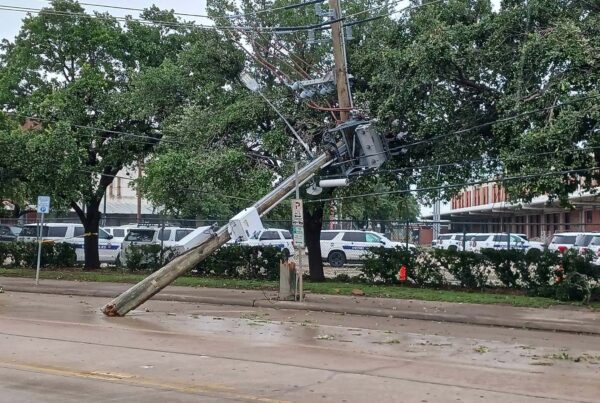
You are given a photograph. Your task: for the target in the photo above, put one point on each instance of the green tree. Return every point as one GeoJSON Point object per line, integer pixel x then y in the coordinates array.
{"type": "Point", "coordinates": [102, 92]}
{"type": "Point", "coordinates": [450, 66]}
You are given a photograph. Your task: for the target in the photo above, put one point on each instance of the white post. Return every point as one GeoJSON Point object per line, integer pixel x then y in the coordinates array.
{"type": "Point", "coordinates": [39, 256]}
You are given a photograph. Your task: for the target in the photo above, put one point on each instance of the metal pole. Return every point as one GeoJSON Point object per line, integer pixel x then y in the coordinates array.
{"type": "Point", "coordinates": [162, 241]}
{"type": "Point", "coordinates": [39, 256]}
{"type": "Point", "coordinates": [300, 270]}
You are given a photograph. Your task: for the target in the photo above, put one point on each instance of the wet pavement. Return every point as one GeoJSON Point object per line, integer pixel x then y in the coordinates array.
{"type": "Point", "coordinates": [565, 318]}
{"type": "Point", "coordinates": [58, 349]}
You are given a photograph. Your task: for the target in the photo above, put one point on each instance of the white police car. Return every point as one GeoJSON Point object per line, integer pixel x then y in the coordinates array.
{"type": "Point", "coordinates": [280, 238]}
{"type": "Point", "coordinates": [74, 235]}
{"type": "Point", "coordinates": [341, 246]}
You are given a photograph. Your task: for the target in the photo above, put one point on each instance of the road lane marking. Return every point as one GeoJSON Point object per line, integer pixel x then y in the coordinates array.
{"type": "Point", "coordinates": [133, 380]}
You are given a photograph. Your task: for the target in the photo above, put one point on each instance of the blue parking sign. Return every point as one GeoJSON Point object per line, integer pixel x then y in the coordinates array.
{"type": "Point", "coordinates": [43, 204]}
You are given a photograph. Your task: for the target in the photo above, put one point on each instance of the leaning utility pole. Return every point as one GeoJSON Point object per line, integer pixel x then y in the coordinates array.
{"type": "Point", "coordinates": [339, 57]}
{"type": "Point", "coordinates": [154, 283]}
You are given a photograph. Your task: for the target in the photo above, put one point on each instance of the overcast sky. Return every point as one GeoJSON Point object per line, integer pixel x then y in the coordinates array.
{"type": "Point", "coordinates": [10, 21]}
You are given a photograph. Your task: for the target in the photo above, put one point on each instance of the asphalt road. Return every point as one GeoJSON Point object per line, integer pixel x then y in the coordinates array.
{"type": "Point", "coordinates": [62, 349]}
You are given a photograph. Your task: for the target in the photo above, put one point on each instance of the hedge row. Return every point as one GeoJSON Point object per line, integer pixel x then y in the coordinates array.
{"type": "Point", "coordinates": [24, 254]}
{"type": "Point", "coordinates": [568, 276]}
{"type": "Point", "coordinates": [241, 261]}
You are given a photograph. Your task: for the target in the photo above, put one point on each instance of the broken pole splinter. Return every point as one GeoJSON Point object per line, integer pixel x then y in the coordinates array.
{"type": "Point", "coordinates": [154, 283]}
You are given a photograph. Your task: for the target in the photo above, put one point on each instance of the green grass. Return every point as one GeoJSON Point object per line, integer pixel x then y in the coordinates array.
{"type": "Point", "coordinates": [328, 288]}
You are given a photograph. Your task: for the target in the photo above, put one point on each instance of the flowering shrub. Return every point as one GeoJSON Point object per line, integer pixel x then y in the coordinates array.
{"type": "Point", "coordinates": [243, 261]}
{"type": "Point", "coordinates": [428, 270]}
{"type": "Point", "coordinates": [566, 277]}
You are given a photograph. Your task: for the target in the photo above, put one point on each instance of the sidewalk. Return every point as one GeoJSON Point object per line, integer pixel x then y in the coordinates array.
{"type": "Point", "coordinates": [561, 318]}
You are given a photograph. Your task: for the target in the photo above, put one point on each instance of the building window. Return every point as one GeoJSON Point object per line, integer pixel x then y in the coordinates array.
{"type": "Point", "coordinates": [567, 221]}
{"type": "Point", "coordinates": [589, 217]}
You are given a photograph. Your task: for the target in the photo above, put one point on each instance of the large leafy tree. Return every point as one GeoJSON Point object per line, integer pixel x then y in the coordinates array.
{"type": "Point", "coordinates": [102, 92]}
{"type": "Point", "coordinates": [525, 77]}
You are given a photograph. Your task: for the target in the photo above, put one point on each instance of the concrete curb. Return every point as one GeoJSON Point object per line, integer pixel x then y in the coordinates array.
{"type": "Point", "coordinates": [549, 325]}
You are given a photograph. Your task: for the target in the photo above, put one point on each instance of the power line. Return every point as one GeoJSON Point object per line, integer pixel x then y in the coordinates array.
{"type": "Point", "coordinates": [456, 163]}
{"type": "Point", "coordinates": [151, 140]}
{"type": "Point", "coordinates": [191, 25]}
{"type": "Point", "coordinates": [254, 13]}
{"type": "Point", "coordinates": [457, 185]}
{"type": "Point", "coordinates": [479, 126]}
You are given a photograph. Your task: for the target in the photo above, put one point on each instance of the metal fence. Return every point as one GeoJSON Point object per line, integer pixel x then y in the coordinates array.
{"type": "Point", "coordinates": [420, 232]}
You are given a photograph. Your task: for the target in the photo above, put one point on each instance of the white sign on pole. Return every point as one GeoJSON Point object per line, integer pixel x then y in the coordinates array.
{"type": "Point", "coordinates": [43, 204]}
{"type": "Point", "coordinates": [298, 223]}
{"type": "Point", "coordinates": [297, 212]}
{"type": "Point", "coordinates": [298, 236]}
{"type": "Point", "coordinates": [43, 207]}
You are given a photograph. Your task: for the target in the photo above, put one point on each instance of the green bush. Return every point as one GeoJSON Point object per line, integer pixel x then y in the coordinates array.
{"type": "Point", "coordinates": [574, 286]}
{"type": "Point", "coordinates": [428, 270]}
{"type": "Point", "coordinates": [470, 269]}
{"type": "Point", "coordinates": [24, 254]}
{"type": "Point", "coordinates": [507, 264]}
{"type": "Point", "coordinates": [243, 261]}
{"type": "Point", "coordinates": [383, 264]}
{"type": "Point", "coordinates": [147, 257]}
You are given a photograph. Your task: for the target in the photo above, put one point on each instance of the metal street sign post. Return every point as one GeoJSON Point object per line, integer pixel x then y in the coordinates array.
{"type": "Point", "coordinates": [43, 207]}
{"type": "Point", "coordinates": [298, 231]}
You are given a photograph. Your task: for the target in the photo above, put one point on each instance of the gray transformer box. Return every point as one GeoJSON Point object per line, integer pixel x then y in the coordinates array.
{"type": "Point", "coordinates": [373, 153]}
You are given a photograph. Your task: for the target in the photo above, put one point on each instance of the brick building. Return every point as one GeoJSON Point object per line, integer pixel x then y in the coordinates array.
{"type": "Point", "coordinates": [484, 208]}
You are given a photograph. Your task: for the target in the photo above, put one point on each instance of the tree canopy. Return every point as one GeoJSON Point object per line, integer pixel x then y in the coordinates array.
{"type": "Point", "coordinates": [101, 92]}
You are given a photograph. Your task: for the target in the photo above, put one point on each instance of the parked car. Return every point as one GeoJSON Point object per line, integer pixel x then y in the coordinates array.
{"type": "Point", "coordinates": [448, 241]}
{"type": "Point", "coordinates": [563, 241]}
{"type": "Point", "coordinates": [178, 238]}
{"type": "Point", "coordinates": [74, 235]}
{"type": "Point", "coordinates": [477, 242]}
{"type": "Point", "coordinates": [532, 244]}
{"type": "Point", "coordinates": [280, 238]}
{"type": "Point", "coordinates": [594, 247]}
{"type": "Point", "coordinates": [8, 233]}
{"type": "Point", "coordinates": [119, 233]}
{"type": "Point", "coordinates": [342, 246]}
{"type": "Point", "coordinates": [583, 241]}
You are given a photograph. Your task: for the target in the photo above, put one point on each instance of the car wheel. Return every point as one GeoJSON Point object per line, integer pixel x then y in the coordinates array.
{"type": "Point", "coordinates": [336, 258]}
{"type": "Point", "coordinates": [452, 248]}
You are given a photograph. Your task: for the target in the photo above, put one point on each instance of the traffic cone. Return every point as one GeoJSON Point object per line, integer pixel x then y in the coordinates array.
{"type": "Point", "coordinates": [402, 274]}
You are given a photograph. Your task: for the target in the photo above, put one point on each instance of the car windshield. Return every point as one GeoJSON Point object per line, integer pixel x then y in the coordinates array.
{"type": "Point", "coordinates": [564, 239]}
{"type": "Point", "coordinates": [584, 240]}
{"type": "Point", "coordinates": [595, 241]}
{"type": "Point", "coordinates": [140, 235]}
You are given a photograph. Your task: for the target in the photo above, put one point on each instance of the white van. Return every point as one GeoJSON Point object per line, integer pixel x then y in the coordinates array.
{"type": "Point", "coordinates": [339, 247]}
{"type": "Point", "coordinates": [477, 242]}
{"type": "Point", "coordinates": [280, 238]}
{"type": "Point", "coordinates": [563, 241]}
{"type": "Point", "coordinates": [178, 238]}
{"type": "Point", "coordinates": [74, 235]}
{"type": "Point", "coordinates": [449, 241]}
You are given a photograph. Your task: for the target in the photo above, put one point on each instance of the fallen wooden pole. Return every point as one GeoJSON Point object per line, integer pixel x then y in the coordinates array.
{"type": "Point", "coordinates": [154, 283]}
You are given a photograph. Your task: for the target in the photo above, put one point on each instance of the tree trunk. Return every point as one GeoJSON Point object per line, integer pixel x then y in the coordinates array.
{"type": "Point", "coordinates": [91, 226]}
{"type": "Point", "coordinates": [313, 222]}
